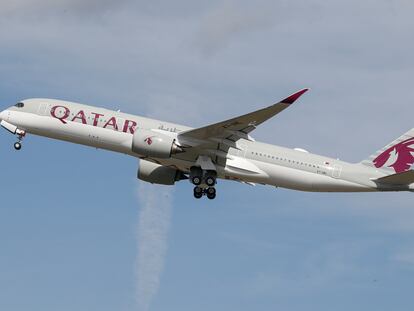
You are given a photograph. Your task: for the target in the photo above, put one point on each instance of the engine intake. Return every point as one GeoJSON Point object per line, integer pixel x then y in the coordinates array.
{"type": "Point", "coordinates": [155, 145]}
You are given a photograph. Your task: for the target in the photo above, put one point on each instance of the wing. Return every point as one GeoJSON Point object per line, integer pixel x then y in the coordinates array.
{"type": "Point", "coordinates": [239, 127]}
{"type": "Point", "coordinates": [216, 139]}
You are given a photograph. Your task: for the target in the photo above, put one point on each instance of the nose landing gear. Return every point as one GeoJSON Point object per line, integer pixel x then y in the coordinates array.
{"type": "Point", "coordinates": [16, 131]}
{"type": "Point", "coordinates": [20, 135]}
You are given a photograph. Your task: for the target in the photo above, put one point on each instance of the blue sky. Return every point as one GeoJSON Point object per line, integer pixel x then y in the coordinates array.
{"type": "Point", "coordinates": [78, 231]}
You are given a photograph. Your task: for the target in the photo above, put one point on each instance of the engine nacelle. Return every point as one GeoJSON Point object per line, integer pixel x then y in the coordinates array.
{"type": "Point", "coordinates": [158, 174]}
{"type": "Point", "coordinates": [155, 145]}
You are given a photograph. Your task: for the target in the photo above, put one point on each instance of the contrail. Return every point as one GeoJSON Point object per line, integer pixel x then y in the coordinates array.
{"type": "Point", "coordinates": [153, 225]}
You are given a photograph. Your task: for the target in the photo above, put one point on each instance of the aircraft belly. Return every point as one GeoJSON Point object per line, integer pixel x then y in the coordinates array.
{"type": "Point", "coordinates": [328, 184]}
{"type": "Point", "coordinates": [295, 179]}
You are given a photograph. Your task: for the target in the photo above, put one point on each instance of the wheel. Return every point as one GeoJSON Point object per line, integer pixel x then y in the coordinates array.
{"type": "Point", "coordinates": [17, 146]}
{"type": "Point", "coordinates": [196, 175]}
{"type": "Point", "coordinates": [196, 180]}
{"type": "Point", "coordinates": [210, 181]}
{"type": "Point", "coordinates": [211, 196]}
{"type": "Point", "coordinates": [211, 193]}
{"type": "Point", "coordinates": [198, 192]}
{"type": "Point", "coordinates": [210, 178]}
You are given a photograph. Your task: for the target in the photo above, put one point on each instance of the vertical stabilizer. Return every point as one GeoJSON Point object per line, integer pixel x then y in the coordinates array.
{"type": "Point", "coordinates": [396, 157]}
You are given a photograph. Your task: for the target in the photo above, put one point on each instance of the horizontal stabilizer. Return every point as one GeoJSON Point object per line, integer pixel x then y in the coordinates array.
{"type": "Point", "coordinates": [398, 179]}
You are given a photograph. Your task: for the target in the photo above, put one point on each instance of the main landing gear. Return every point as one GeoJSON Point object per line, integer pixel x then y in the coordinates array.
{"type": "Point", "coordinates": [204, 180]}
{"type": "Point", "coordinates": [210, 192]}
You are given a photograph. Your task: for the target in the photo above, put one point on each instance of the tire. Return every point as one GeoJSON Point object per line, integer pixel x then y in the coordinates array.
{"type": "Point", "coordinates": [211, 193]}
{"type": "Point", "coordinates": [210, 181]}
{"type": "Point", "coordinates": [17, 146]}
{"type": "Point", "coordinates": [196, 175]}
{"type": "Point", "coordinates": [196, 180]}
{"type": "Point", "coordinates": [211, 196]}
{"type": "Point", "coordinates": [198, 192]}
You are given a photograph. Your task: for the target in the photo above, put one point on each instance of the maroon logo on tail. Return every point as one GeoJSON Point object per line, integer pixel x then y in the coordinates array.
{"type": "Point", "coordinates": [148, 140]}
{"type": "Point", "coordinates": [400, 156]}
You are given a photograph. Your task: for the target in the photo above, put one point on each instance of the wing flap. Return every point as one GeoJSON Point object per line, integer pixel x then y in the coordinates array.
{"type": "Point", "coordinates": [242, 166]}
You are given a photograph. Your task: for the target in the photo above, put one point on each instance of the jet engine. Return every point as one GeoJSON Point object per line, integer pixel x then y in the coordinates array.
{"type": "Point", "coordinates": [158, 174]}
{"type": "Point", "coordinates": [155, 145]}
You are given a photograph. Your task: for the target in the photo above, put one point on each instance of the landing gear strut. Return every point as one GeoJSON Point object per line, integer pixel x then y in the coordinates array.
{"type": "Point", "coordinates": [20, 135]}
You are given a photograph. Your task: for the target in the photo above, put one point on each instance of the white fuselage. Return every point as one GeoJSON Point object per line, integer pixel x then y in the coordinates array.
{"type": "Point", "coordinates": [251, 161]}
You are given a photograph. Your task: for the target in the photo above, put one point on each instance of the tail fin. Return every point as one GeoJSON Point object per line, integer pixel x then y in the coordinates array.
{"type": "Point", "coordinates": [396, 157]}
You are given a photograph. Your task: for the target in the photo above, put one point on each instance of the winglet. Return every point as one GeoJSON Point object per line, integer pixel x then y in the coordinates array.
{"type": "Point", "coordinates": [292, 98]}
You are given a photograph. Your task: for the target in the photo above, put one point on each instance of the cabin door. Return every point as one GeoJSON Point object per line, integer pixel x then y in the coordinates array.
{"type": "Point", "coordinates": [337, 170]}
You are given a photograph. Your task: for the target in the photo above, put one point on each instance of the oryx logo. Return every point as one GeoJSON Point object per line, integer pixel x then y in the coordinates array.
{"type": "Point", "coordinates": [400, 156]}
{"type": "Point", "coordinates": [148, 140]}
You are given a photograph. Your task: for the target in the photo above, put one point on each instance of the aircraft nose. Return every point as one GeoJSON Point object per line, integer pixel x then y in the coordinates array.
{"type": "Point", "coordinates": [3, 115]}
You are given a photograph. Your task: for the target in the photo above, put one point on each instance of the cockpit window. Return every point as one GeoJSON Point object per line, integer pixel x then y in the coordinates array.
{"type": "Point", "coordinates": [19, 105]}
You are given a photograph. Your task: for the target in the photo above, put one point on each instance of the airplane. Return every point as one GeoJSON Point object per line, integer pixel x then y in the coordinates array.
{"type": "Point", "coordinates": [171, 152]}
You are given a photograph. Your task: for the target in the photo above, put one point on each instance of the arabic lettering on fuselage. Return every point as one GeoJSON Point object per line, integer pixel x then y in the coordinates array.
{"type": "Point", "coordinates": [63, 114]}
{"type": "Point", "coordinates": [169, 129]}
